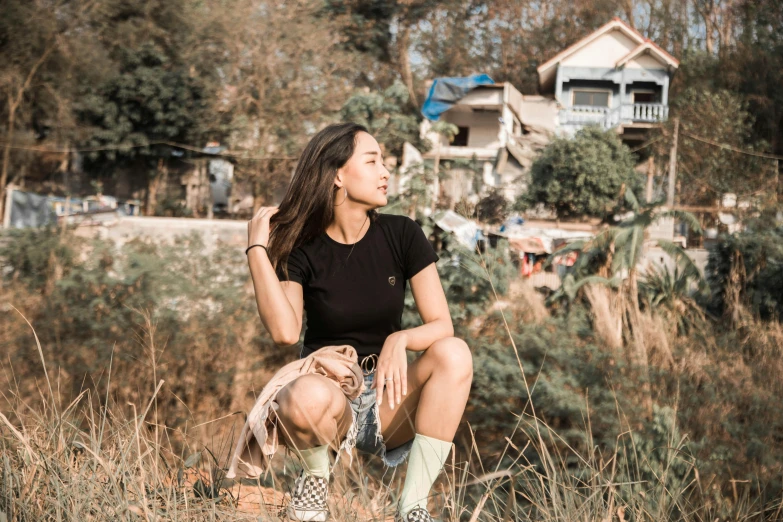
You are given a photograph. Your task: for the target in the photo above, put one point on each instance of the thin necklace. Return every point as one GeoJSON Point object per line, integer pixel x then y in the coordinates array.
{"type": "Point", "coordinates": [342, 265]}
{"type": "Point", "coordinates": [357, 238]}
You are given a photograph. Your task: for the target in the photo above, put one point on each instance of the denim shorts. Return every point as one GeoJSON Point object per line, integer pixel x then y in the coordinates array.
{"type": "Point", "coordinates": [368, 435]}
{"type": "Point", "coordinates": [365, 431]}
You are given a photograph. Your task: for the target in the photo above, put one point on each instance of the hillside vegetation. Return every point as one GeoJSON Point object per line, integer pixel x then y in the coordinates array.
{"type": "Point", "coordinates": [126, 372]}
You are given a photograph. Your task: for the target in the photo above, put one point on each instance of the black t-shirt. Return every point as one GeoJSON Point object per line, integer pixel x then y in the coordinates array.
{"type": "Point", "coordinates": [358, 300]}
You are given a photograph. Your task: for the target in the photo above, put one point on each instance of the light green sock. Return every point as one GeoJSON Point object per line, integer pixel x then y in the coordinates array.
{"type": "Point", "coordinates": [426, 459]}
{"type": "Point", "coordinates": [316, 460]}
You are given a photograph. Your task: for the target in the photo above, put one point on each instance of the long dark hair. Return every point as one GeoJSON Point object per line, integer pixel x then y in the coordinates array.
{"type": "Point", "coordinates": [308, 205]}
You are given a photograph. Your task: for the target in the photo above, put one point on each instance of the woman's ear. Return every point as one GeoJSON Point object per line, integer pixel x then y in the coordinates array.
{"type": "Point", "coordinates": [338, 179]}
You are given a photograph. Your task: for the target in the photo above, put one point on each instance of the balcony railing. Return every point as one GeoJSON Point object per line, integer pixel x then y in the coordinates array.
{"type": "Point", "coordinates": [609, 118]}
{"type": "Point", "coordinates": [644, 112]}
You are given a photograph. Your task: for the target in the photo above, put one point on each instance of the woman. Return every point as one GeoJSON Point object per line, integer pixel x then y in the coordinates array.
{"type": "Point", "coordinates": [327, 251]}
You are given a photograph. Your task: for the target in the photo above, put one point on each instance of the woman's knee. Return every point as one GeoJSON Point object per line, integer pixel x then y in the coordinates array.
{"type": "Point", "coordinates": [453, 356]}
{"type": "Point", "coordinates": [305, 401]}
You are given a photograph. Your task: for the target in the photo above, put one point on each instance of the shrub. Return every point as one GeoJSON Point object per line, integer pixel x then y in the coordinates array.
{"type": "Point", "coordinates": [582, 176]}
{"type": "Point", "coordinates": [746, 269]}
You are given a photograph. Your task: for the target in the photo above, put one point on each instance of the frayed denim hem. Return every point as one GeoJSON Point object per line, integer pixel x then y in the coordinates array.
{"type": "Point", "coordinates": [349, 443]}
{"type": "Point", "coordinates": [372, 441]}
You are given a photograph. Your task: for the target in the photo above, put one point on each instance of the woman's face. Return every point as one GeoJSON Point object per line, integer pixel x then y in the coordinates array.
{"type": "Point", "coordinates": [363, 175]}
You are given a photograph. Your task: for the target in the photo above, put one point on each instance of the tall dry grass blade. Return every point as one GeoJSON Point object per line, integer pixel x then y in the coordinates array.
{"type": "Point", "coordinates": [105, 408]}
{"type": "Point", "coordinates": [43, 361]}
{"type": "Point", "coordinates": [30, 453]}
{"type": "Point", "coordinates": [607, 318]}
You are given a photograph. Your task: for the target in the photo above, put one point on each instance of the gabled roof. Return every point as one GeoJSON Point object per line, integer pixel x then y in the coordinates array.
{"type": "Point", "coordinates": [652, 49]}
{"type": "Point", "coordinates": [547, 69]}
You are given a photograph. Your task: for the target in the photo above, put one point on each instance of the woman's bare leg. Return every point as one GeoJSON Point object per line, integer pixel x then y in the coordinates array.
{"type": "Point", "coordinates": [312, 412]}
{"type": "Point", "coordinates": [438, 388]}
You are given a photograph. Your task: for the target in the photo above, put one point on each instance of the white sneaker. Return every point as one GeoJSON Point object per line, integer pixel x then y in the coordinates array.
{"type": "Point", "coordinates": [308, 500]}
{"type": "Point", "coordinates": [416, 514]}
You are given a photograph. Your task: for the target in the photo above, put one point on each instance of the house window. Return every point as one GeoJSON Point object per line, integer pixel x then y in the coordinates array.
{"type": "Point", "coordinates": [591, 98]}
{"type": "Point", "coordinates": [644, 97]}
{"type": "Point", "coordinates": [461, 138]}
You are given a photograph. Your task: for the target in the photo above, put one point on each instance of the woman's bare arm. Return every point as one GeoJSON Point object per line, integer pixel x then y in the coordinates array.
{"type": "Point", "coordinates": [279, 303]}
{"type": "Point", "coordinates": [433, 308]}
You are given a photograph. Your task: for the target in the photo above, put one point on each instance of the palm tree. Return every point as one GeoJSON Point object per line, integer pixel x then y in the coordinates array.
{"type": "Point", "coordinates": [617, 252]}
{"type": "Point", "coordinates": [670, 293]}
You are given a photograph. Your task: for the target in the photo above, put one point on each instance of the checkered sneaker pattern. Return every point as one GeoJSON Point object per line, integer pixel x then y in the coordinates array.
{"type": "Point", "coordinates": [417, 514]}
{"type": "Point", "coordinates": [308, 500]}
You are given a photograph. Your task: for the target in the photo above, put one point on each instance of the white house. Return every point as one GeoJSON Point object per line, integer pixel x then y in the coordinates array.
{"type": "Point", "coordinates": [613, 77]}
{"type": "Point", "coordinates": [492, 133]}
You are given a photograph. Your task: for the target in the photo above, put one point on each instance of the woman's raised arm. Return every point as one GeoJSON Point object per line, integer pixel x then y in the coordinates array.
{"type": "Point", "coordinates": [279, 304]}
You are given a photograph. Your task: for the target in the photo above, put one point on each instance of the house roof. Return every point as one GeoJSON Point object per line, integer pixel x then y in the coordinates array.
{"type": "Point", "coordinates": [546, 70]}
{"type": "Point", "coordinates": [652, 49]}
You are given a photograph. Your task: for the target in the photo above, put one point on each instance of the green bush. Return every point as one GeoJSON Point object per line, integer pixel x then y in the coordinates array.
{"type": "Point", "coordinates": [582, 176]}
{"type": "Point", "coordinates": [468, 278]}
{"type": "Point", "coordinates": [105, 309]}
{"type": "Point", "coordinates": [34, 256]}
{"type": "Point", "coordinates": [568, 374]}
{"type": "Point", "coordinates": [756, 257]}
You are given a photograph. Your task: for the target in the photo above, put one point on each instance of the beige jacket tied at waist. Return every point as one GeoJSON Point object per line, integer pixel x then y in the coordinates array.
{"type": "Point", "coordinates": [257, 442]}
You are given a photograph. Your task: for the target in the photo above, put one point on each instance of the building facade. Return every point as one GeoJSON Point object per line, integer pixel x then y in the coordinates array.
{"type": "Point", "coordinates": [614, 78]}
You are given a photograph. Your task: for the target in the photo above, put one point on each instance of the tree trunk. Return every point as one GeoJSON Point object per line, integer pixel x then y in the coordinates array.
{"type": "Point", "coordinates": [210, 200]}
{"type": "Point", "coordinates": [708, 14]}
{"type": "Point", "coordinates": [154, 185]}
{"type": "Point", "coordinates": [628, 8]}
{"type": "Point", "coordinates": [436, 171]}
{"type": "Point", "coordinates": [7, 155]}
{"type": "Point", "coordinates": [640, 347]}
{"type": "Point", "coordinates": [404, 63]}
{"type": "Point", "coordinates": [650, 176]}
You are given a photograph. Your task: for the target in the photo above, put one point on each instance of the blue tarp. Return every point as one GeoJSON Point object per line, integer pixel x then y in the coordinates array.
{"type": "Point", "coordinates": [30, 210]}
{"type": "Point", "coordinates": [445, 92]}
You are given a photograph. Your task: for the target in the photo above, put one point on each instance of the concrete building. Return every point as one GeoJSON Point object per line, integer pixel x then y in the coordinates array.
{"type": "Point", "coordinates": [613, 77]}
{"type": "Point", "coordinates": [493, 141]}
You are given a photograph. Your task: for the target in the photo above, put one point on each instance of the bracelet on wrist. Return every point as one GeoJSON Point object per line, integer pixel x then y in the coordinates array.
{"type": "Point", "coordinates": [257, 245]}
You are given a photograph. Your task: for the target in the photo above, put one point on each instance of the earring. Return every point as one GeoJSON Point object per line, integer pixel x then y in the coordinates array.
{"type": "Point", "coordinates": [343, 201]}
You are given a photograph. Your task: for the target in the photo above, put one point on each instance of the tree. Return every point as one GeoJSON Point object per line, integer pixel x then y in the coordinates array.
{"type": "Point", "coordinates": [380, 30]}
{"type": "Point", "coordinates": [147, 103]}
{"type": "Point", "coordinates": [384, 115]}
{"type": "Point", "coordinates": [39, 43]}
{"type": "Point", "coordinates": [155, 89]}
{"type": "Point", "coordinates": [705, 172]}
{"type": "Point", "coordinates": [582, 176]}
{"type": "Point", "coordinates": [285, 74]}
{"type": "Point", "coordinates": [755, 67]}
{"type": "Point", "coordinates": [746, 274]}
{"type": "Point", "coordinates": [619, 251]}
{"type": "Point", "coordinates": [492, 208]}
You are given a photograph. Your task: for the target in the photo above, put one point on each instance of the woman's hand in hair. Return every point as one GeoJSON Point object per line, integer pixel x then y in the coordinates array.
{"type": "Point", "coordinates": [392, 364]}
{"type": "Point", "coordinates": [258, 226]}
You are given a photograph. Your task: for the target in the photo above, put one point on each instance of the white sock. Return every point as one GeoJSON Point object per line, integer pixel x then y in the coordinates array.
{"type": "Point", "coordinates": [316, 460]}
{"type": "Point", "coordinates": [426, 460]}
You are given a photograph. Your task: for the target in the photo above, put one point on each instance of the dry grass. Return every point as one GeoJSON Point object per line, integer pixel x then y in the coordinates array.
{"type": "Point", "coordinates": [606, 314]}
{"type": "Point", "coordinates": [92, 459]}
{"type": "Point", "coordinates": [109, 454]}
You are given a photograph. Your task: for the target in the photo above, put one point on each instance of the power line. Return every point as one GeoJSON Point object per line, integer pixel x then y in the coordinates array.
{"type": "Point", "coordinates": [182, 146]}
{"type": "Point", "coordinates": [239, 155]}
{"type": "Point", "coordinates": [732, 148]}
{"type": "Point", "coordinates": [646, 144]}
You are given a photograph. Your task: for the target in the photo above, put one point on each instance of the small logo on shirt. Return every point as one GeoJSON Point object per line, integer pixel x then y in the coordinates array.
{"type": "Point", "coordinates": [392, 280]}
